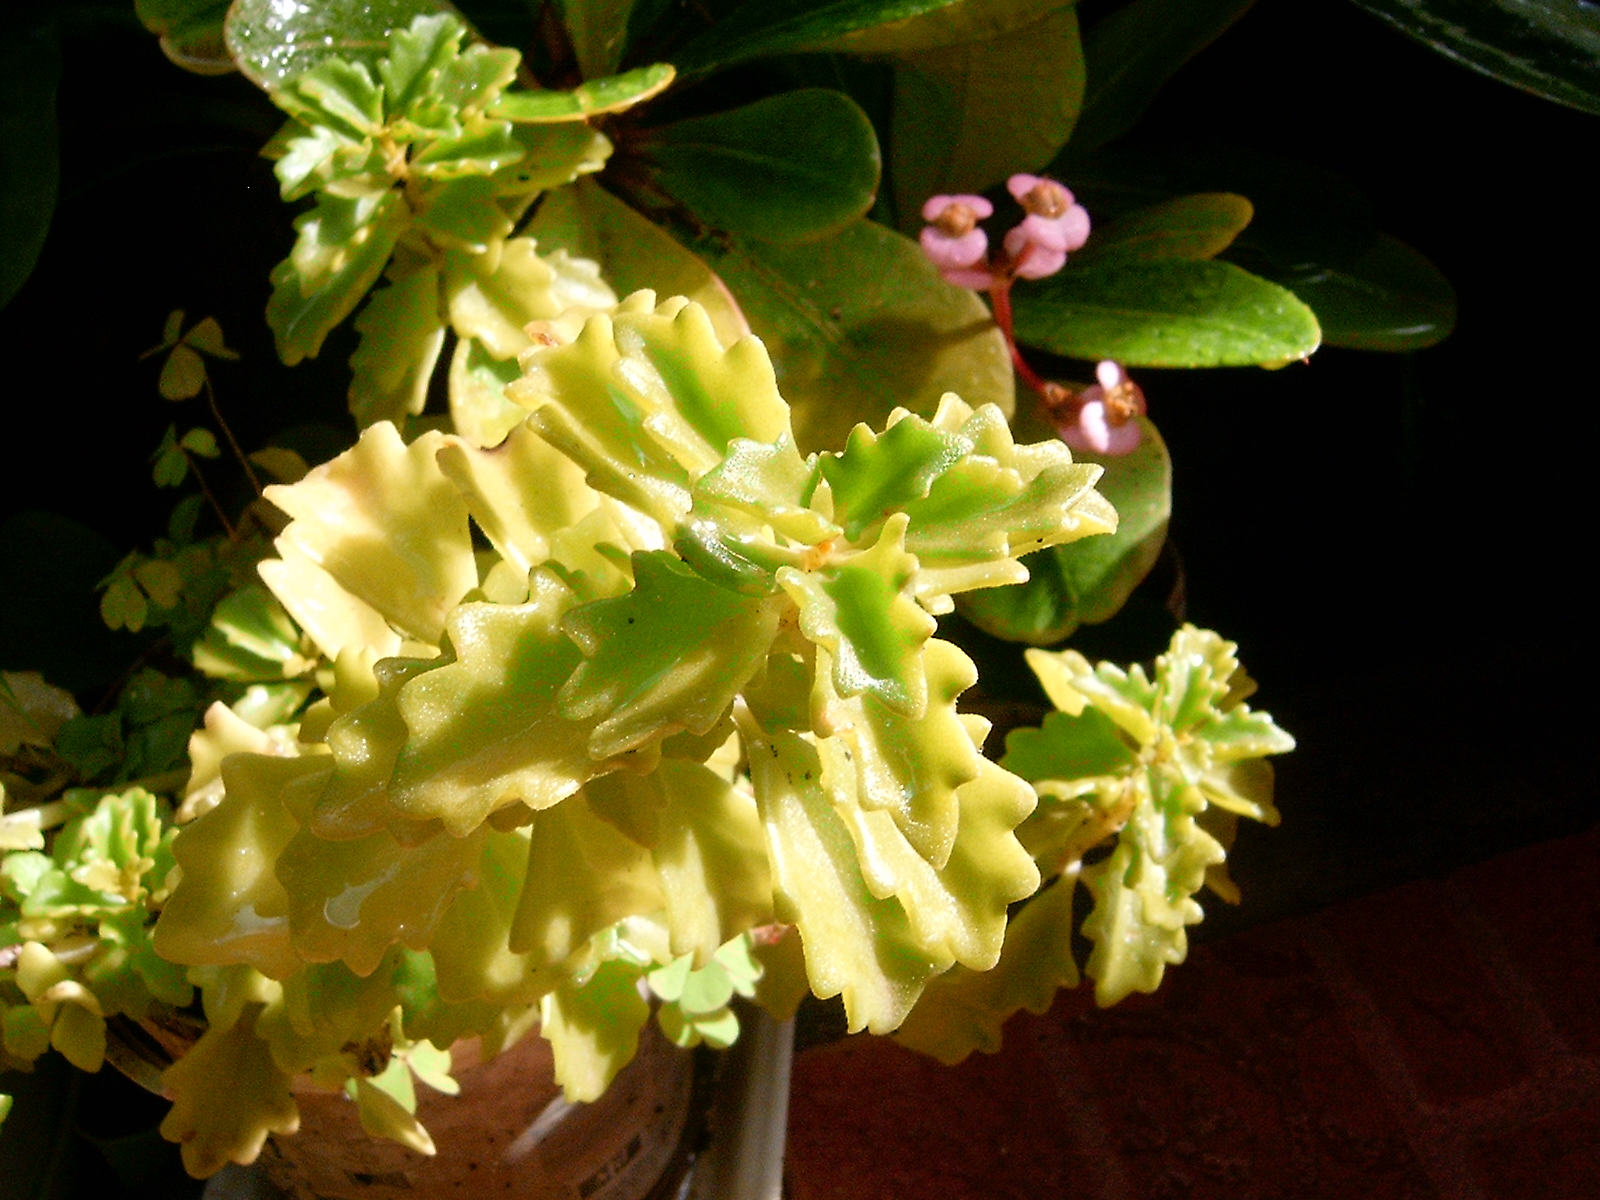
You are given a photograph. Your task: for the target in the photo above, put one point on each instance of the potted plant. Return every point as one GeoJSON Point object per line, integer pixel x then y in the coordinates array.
{"type": "Point", "coordinates": [615, 668]}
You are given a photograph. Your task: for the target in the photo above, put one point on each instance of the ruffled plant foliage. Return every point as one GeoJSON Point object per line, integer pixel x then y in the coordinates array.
{"type": "Point", "coordinates": [690, 690]}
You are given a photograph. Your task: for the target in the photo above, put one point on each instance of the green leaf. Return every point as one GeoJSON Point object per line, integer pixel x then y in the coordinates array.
{"type": "Point", "coordinates": [595, 98]}
{"type": "Point", "coordinates": [594, 1029]}
{"type": "Point", "coordinates": [483, 147]}
{"type": "Point", "coordinates": [633, 252]}
{"type": "Point", "coordinates": [860, 323]}
{"type": "Point", "coordinates": [1197, 226]}
{"type": "Point", "coordinates": [855, 944]}
{"type": "Point", "coordinates": [669, 655]}
{"type": "Point", "coordinates": [1133, 51]}
{"type": "Point", "coordinates": [599, 32]}
{"type": "Point", "coordinates": [484, 730]}
{"type": "Point", "coordinates": [202, 442]}
{"type": "Point", "coordinates": [860, 609]}
{"type": "Point", "coordinates": [416, 53]}
{"type": "Point", "coordinates": [1388, 298]}
{"type": "Point", "coordinates": [952, 25]}
{"type": "Point", "coordinates": [1088, 581]}
{"type": "Point", "coordinates": [877, 475]}
{"type": "Point", "coordinates": [1166, 313]}
{"type": "Point", "coordinates": [970, 115]}
{"type": "Point", "coordinates": [791, 168]}
{"type": "Point", "coordinates": [190, 32]}
{"type": "Point", "coordinates": [274, 42]}
{"type": "Point", "coordinates": [1068, 748]}
{"type": "Point", "coordinates": [1548, 47]}
{"type": "Point", "coordinates": [788, 26]}
{"type": "Point", "coordinates": [964, 1010]}
{"type": "Point", "coordinates": [340, 252]}
{"type": "Point", "coordinates": [30, 71]}
{"type": "Point", "coordinates": [401, 335]}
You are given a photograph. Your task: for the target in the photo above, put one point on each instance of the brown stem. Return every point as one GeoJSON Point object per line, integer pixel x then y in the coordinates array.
{"type": "Point", "coordinates": [227, 526]}
{"type": "Point", "coordinates": [238, 451]}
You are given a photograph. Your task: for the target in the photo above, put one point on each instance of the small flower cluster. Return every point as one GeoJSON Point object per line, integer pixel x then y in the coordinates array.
{"type": "Point", "coordinates": [1100, 418]}
{"type": "Point", "coordinates": [1053, 227]}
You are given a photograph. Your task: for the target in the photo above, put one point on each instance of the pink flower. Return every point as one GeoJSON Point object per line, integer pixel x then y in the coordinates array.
{"type": "Point", "coordinates": [1055, 226]}
{"type": "Point", "coordinates": [1104, 422]}
{"type": "Point", "coordinates": [953, 242]}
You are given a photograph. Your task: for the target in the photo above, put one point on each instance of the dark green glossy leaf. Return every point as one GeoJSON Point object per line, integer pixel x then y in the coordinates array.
{"type": "Point", "coordinates": [592, 99]}
{"type": "Point", "coordinates": [1087, 581]}
{"type": "Point", "coordinates": [273, 42]}
{"type": "Point", "coordinates": [1389, 298]}
{"type": "Point", "coordinates": [1135, 50]}
{"type": "Point", "coordinates": [1197, 226]}
{"type": "Point", "coordinates": [791, 168]}
{"type": "Point", "coordinates": [1167, 313]}
{"type": "Point", "coordinates": [860, 323]}
{"type": "Point", "coordinates": [30, 68]}
{"type": "Point", "coordinates": [968, 116]}
{"type": "Point", "coordinates": [1548, 47]}
{"type": "Point", "coordinates": [766, 27]}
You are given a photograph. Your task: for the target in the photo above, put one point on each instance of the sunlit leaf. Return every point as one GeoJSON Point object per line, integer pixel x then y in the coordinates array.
{"type": "Point", "coordinates": [594, 1029]}
{"type": "Point", "coordinates": [1166, 313]}
{"type": "Point", "coordinates": [342, 247]}
{"type": "Point", "coordinates": [273, 42]}
{"type": "Point", "coordinates": [384, 522]}
{"type": "Point", "coordinates": [1088, 581]}
{"type": "Point", "coordinates": [669, 655]}
{"type": "Point", "coordinates": [592, 98]}
{"type": "Point", "coordinates": [1200, 225]}
{"type": "Point", "coordinates": [633, 252]}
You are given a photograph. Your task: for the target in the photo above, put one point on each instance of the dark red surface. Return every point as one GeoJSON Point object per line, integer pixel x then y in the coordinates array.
{"type": "Point", "coordinates": [1438, 1040]}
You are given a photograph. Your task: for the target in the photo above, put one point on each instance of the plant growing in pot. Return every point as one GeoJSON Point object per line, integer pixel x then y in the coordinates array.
{"type": "Point", "coordinates": [618, 688]}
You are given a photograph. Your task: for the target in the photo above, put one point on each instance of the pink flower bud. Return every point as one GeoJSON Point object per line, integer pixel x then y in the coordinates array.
{"type": "Point", "coordinates": [952, 241]}
{"type": "Point", "coordinates": [1054, 227]}
{"type": "Point", "coordinates": [1104, 422]}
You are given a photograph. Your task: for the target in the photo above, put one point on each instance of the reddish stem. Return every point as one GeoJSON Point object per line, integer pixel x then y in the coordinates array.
{"type": "Point", "coordinates": [1000, 298]}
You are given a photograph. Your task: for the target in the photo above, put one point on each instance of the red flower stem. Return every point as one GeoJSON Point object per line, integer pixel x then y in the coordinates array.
{"type": "Point", "coordinates": [1000, 297]}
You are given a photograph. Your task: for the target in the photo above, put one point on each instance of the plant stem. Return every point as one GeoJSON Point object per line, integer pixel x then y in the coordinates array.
{"type": "Point", "coordinates": [238, 451]}
{"type": "Point", "coordinates": [1000, 298]}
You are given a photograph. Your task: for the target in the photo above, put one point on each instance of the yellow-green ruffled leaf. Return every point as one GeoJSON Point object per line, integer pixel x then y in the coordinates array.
{"type": "Point", "coordinates": [711, 860]}
{"type": "Point", "coordinates": [860, 323]}
{"type": "Point", "coordinates": [520, 493]}
{"type": "Point", "coordinates": [387, 525]}
{"type": "Point", "coordinates": [594, 1029]}
{"type": "Point", "coordinates": [229, 907]}
{"type": "Point", "coordinates": [583, 876]}
{"type": "Point", "coordinates": [861, 611]}
{"type": "Point", "coordinates": [669, 655]}
{"type": "Point", "coordinates": [856, 945]}
{"type": "Point", "coordinates": [634, 252]}
{"type": "Point", "coordinates": [492, 296]}
{"type": "Point", "coordinates": [351, 900]}
{"type": "Point", "coordinates": [485, 731]}
{"type": "Point", "coordinates": [235, 1064]}
{"type": "Point", "coordinates": [471, 953]}
{"type": "Point", "coordinates": [964, 1010]}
